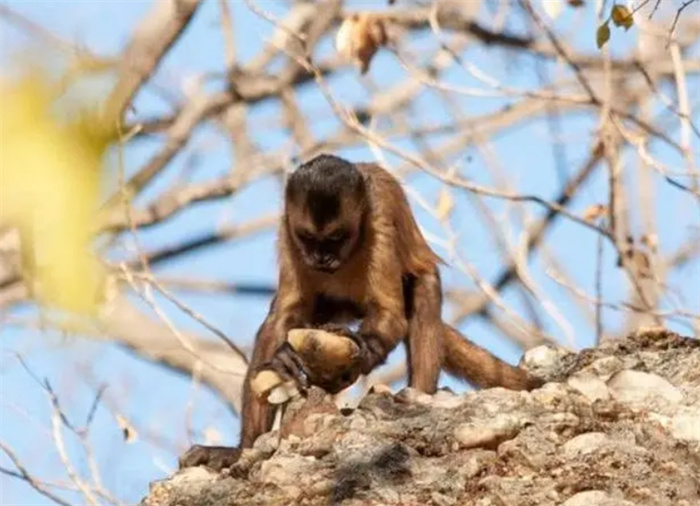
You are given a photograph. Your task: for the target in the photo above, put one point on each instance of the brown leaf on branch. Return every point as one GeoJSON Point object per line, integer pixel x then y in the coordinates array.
{"type": "Point", "coordinates": [595, 212]}
{"type": "Point", "coordinates": [129, 433]}
{"type": "Point", "coordinates": [359, 38]}
{"type": "Point", "coordinates": [622, 16]}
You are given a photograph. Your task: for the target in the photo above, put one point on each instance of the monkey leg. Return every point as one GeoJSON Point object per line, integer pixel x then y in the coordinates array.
{"type": "Point", "coordinates": [425, 343]}
{"type": "Point", "coordinates": [257, 416]}
{"type": "Point", "coordinates": [215, 457]}
{"type": "Point", "coordinates": [477, 365]}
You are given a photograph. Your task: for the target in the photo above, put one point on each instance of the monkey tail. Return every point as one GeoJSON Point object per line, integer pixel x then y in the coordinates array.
{"type": "Point", "coordinates": [475, 364]}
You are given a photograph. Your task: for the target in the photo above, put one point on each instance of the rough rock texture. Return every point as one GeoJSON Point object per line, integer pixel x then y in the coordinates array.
{"type": "Point", "coordinates": [618, 425]}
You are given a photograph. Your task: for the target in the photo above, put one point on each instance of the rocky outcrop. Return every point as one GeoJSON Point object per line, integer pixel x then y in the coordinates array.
{"type": "Point", "coordinates": [617, 425]}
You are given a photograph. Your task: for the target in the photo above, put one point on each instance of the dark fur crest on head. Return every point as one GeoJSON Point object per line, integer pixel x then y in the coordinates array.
{"type": "Point", "coordinates": [323, 181]}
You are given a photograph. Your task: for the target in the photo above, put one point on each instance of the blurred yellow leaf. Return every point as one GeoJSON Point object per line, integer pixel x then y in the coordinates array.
{"type": "Point", "coordinates": [49, 183]}
{"type": "Point", "coordinates": [622, 16]}
{"type": "Point", "coordinates": [602, 35]}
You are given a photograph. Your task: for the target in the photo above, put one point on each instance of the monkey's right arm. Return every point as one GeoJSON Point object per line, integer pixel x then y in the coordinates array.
{"type": "Point", "coordinates": [286, 312]}
{"type": "Point", "coordinates": [256, 417]}
{"type": "Point", "coordinates": [272, 351]}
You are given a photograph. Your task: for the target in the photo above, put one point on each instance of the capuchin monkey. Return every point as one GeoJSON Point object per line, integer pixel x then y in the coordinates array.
{"type": "Point", "coordinates": [350, 250]}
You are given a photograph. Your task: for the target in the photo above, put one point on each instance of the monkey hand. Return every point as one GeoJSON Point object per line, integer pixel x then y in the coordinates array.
{"type": "Point", "coordinates": [324, 357]}
{"type": "Point", "coordinates": [289, 366]}
{"type": "Point", "coordinates": [214, 457]}
{"type": "Point", "coordinates": [338, 330]}
{"type": "Point", "coordinates": [371, 350]}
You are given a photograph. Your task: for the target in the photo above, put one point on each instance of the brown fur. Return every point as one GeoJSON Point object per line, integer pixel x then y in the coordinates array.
{"type": "Point", "coordinates": [391, 250]}
{"type": "Point", "coordinates": [466, 360]}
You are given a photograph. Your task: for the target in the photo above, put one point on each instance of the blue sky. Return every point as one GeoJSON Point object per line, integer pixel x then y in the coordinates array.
{"type": "Point", "coordinates": [156, 400]}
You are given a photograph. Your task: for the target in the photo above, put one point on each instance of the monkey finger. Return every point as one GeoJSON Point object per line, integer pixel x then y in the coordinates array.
{"type": "Point", "coordinates": [371, 351]}
{"type": "Point", "coordinates": [337, 329]}
{"type": "Point", "coordinates": [288, 363]}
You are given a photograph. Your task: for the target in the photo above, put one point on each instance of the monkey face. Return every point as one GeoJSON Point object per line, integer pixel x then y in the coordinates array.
{"type": "Point", "coordinates": [326, 204]}
{"type": "Point", "coordinates": [325, 249]}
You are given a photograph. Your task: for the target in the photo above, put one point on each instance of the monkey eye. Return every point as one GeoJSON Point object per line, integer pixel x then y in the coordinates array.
{"type": "Point", "coordinates": [304, 235]}
{"type": "Point", "coordinates": [337, 236]}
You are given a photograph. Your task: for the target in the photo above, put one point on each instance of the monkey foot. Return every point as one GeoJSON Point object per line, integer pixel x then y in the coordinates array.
{"type": "Point", "coordinates": [214, 457]}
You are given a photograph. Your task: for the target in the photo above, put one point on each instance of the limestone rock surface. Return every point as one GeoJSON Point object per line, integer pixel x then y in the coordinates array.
{"type": "Point", "coordinates": [616, 425]}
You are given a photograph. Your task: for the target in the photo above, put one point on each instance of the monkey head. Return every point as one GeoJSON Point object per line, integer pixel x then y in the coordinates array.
{"type": "Point", "coordinates": [325, 209]}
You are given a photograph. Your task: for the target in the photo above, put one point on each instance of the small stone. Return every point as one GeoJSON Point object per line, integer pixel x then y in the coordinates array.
{"type": "Point", "coordinates": [585, 443]}
{"type": "Point", "coordinates": [686, 426]}
{"type": "Point", "coordinates": [636, 387]}
{"type": "Point", "coordinates": [285, 471]}
{"type": "Point", "coordinates": [488, 434]}
{"type": "Point", "coordinates": [595, 498]}
{"type": "Point", "coordinates": [192, 474]}
{"type": "Point", "coordinates": [605, 367]}
{"type": "Point", "coordinates": [590, 386]}
{"type": "Point", "coordinates": [544, 361]}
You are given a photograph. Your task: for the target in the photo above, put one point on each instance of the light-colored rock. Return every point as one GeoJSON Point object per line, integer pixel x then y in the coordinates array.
{"type": "Point", "coordinates": [635, 388]}
{"type": "Point", "coordinates": [595, 498]}
{"type": "Point", "coordinates": [606, 366]}
{"type": "Point", "coordinates": [544, 360]}
{"type": "Point", "coordinates": [589, 385]}
{"type": "Point", "coordinates": [488, 433]}
{"type": "Point", "coordinates": [585, 443]}
{"type": "Point", "coordinates": [686, 425]}
{"type": "Point", "coordinates": [446, 400]}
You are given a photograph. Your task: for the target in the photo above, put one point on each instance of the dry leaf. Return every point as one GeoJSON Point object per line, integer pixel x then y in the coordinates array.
{"type": "Point", "coordinates": [622, 16]}
{"type": "Point", "coordinates": [595, 212]}
{"type": "Point", "coordinates": [602, 35]}
{"type": "Point", "coordinates": [445, 204]}
{"type": "Point", "coordinates": [130, 434]}
{"type": "Point", "coordinates": [641, 261]}
{"type": "Point", "coordinates": [651, 241]}
{"type": "Point", "coordinates": [552, 8]}
{"type": "Point", "coordinates": [359, 37]}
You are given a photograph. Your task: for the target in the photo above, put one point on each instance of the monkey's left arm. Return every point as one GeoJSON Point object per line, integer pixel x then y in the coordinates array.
{"type": "Point", "coordinates": [384, 324]}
